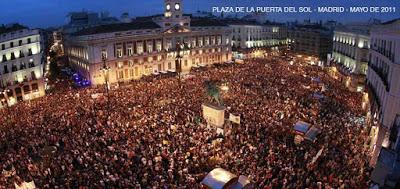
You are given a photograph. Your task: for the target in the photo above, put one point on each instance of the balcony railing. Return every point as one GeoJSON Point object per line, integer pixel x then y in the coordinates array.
{"type": "Point", "coordinates": [383, 76]}
{"type": "Point", "coordinates": [383, 51]}
{"type": "Point", "coordinates": [373, 94]}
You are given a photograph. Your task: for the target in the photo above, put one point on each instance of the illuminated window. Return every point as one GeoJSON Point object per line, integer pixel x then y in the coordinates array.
{"type": "Point", "coordinates": [120, 64]}
{"type": "Point", "coordinates": [136, 71]}
{"type": "Point", "coordinates": [130, 51]}
{"type": "Point", "coordinates": [140, 48]}
{"type": "Point", "coordinates": [103, 54]}
{"type": "Point", "coordinates": [119, 53]}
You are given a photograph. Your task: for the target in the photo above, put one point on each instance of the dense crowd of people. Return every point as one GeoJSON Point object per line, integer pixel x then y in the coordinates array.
{"type": "Point", "coordinates": [151, 134]}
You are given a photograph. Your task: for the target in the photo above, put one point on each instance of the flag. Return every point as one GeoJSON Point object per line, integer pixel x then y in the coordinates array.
{"type": "Point", "coordinates": [234, 119]}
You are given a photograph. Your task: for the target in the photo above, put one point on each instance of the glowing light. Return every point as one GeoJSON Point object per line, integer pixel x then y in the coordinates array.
{"type": "Point", "coordinates": [225, 88]}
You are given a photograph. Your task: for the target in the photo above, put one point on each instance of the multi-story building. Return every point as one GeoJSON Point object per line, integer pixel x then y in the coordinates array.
{"type": "Point", "coordinates": [250, 34]}
{"type": "Point", "coordinates": [82, 20]}
{"type": "Point", "coordinates": [21, 64]}
{"type": "Point", "coordinates": [384, 91]}
{"type": "Point", "coordinates": [149, 45]}
{"type": "Point", "coordinates": [311, 39]}
{"type": "Point", "coordinates": [350, 55]}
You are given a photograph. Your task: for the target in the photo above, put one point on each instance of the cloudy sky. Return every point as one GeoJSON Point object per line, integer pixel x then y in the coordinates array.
{"type": "Point", "coordinates": [44, 13]}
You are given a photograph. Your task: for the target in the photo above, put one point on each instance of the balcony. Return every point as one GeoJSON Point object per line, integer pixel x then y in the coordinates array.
{"type": "Point", "coordinates": [373, 95]}
{"type": "Point", "coordinates": [384, 52]}
{"type": "Point", "coordinates": [383, 76]}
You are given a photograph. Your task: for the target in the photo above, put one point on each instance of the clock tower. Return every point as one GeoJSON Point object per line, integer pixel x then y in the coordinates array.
{"type": "Point", "coordinates": [173, 15]}
{"type": "Point", "coordinates": [173, 9]}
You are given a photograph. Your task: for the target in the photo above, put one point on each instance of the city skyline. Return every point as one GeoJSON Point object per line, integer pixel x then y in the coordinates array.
{"type": "Point", "coordinates": [53, 13]}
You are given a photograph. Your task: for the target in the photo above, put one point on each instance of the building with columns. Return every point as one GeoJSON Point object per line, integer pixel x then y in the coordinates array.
{"type": "Point", "coordinates": [21, 64]}
{"type": "Point", "coordinates": [148, 45]}
{"type": "Point", "coordinates": [383, 81]}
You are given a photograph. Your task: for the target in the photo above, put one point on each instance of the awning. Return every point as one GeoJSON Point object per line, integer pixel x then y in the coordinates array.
{"type": "Point", "coordinates": [219, 179]}
{"type": "Point", "coordinates": [301, 127]}
{"type": "Point", "coordinates": [312, 133]}
{"type": "Point", "coordinates": [243, 183]}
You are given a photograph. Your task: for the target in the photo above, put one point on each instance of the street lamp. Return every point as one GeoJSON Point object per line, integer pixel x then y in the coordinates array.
{"type": "Point", "coordinates": [181, 50]}
{"type": "Point", "coordinates": [105, 69]}
{"type": "Point", "coordinates": [178, 62]}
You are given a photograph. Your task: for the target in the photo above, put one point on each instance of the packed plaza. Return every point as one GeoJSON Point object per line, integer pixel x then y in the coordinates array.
{"type": "Point", "coordinates": [153, 134]}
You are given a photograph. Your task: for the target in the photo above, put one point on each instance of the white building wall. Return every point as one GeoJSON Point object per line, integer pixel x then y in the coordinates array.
{"type": "Point", "coordinates": [385, 55]}
{"type": "Point", "coordinates": [23, 75]}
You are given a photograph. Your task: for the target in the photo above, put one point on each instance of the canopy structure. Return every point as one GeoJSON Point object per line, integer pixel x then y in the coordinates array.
{"type": "Point", "coordinates": [219, 179]}
{"type": "Point", "coordinates": [301, 127]}
{"type": "Point", "coordinates": [312, 134]}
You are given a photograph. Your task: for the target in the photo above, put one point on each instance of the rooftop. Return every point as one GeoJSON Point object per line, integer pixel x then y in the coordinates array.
{"type": "Point", "coordinates": [391, 21]}
{"type": "Point", "coordinates": [241, 22]}
{"type": "Point", "coordinates": [134, 25]}
{"type": "Point", "coordinates": [312, 26]}
{"type": "Point", "coordinates": [8, 29]}
{"type": "Point", "coordinates": [200, 21]}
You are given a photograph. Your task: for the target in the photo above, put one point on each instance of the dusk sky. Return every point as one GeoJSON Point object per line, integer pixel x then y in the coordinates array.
{"type": "Point", "coordinates": [45, 13]}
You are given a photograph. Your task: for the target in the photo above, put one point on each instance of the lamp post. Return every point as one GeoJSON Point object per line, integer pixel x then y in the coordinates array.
{"type": "Point", "coordinates": [181, 50]}
{"type": "Point", "coordinates": [178, 62]}
{"type": "Point", "coordinates": [105, 69]}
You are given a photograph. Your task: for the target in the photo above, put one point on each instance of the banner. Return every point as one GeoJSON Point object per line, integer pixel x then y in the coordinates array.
{"type": "Point", "coordinates": [234, 119]}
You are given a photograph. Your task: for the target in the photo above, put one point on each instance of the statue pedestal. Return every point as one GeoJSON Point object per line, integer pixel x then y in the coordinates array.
{"type": "Point", "coordinates": [214, 114]}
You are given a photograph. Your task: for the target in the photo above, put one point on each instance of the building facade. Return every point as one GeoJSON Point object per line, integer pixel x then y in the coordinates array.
{"type": "Point", "coordinates": [384, 93]}
{"type": "Point", "coordinates": [21, 65]}
{"type": "Point", "coordinates": [250, 34]}
{"type": "Point", "coordinates": [78, 21]}
{"type": "Point", "coordinates": [350, 56]}
{"type": "Point", "coordinates": [312, 40]}
{"type": "Point", "coordinates": [148, 45]}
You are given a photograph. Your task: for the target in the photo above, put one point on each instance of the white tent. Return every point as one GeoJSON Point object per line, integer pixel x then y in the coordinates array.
{"type": "Point", "coordinates": [219, 179]}
{"type": "Point", "coordinates": [243, 183]}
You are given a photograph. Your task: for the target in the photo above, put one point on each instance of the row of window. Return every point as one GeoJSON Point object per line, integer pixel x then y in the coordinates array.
{"type": "Point", "coordinates": [11, 44]}
{"type": "Point", "coordinates": [142, 47]}
{"type": "Point", "coordinates": [251, 38]}
{"type": "Point", "coordinates": [34, 87]}
{"type": "Point", "coordinates": [79, 52]}
{"type": "Point", "coordinates": [381, 68]}
{"type": "Point", "coordinates": [352, 42]}
{"type": "Point", "coordinates": [132, 73]}
{"type": "Point", "coordinates": [159, 57]}
{"type": "Point", "coordinates": [15, 68]}
{"type": "Point", "coordinates": [13, 56]}
{"type": "Point", "coordinates": [264, 30]}
{"type": "Point", "coordinates": [385, 47]}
